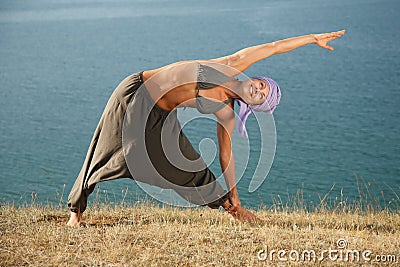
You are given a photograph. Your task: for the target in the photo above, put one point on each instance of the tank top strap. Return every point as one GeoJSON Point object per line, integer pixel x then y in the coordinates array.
{"type": "Point", "coordinates": [229, 100]}
{"type": "Point", "coordinates": [209, 77]}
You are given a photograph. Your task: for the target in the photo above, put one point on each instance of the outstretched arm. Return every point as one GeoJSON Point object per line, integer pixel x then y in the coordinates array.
{"type": "Point", "coordinates": [246, 57]}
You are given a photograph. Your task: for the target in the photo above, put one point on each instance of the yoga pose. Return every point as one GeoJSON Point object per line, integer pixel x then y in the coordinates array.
{"type": "Point", "coordinates": [140, 122]}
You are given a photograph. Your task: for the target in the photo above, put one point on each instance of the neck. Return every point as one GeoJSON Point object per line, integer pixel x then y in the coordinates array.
{"type": "Point", "coordinates": [232, 89]}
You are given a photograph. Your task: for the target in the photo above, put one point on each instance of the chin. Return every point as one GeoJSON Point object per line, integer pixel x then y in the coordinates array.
{"type": "Point", "coordinates": [251, 103]}
{"type": "Point", "coordinates": [246, 101]}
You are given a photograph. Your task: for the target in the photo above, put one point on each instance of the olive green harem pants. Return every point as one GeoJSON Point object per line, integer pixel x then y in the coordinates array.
{"type": "Point", "coordinates": [105, 159]}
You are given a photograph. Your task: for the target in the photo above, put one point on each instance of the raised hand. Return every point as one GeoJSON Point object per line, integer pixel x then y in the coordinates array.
{"type": "Point", "coordinates": [323, 38]}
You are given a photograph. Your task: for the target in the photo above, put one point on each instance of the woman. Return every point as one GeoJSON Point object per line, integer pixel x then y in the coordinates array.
{"type": "Point", "coordinates": [148, 101]}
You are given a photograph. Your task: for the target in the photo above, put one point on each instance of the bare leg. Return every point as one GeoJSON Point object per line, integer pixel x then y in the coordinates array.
{"type": "Point", "coordinates": [74, 219]}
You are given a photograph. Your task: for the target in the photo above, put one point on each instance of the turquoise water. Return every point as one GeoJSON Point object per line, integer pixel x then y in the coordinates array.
{"type": "Point", "coordinates": [337, 124]}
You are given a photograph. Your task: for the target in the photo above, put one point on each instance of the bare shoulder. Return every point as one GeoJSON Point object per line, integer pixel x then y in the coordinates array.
{"type": "Point", "coordinates": [177, 69]}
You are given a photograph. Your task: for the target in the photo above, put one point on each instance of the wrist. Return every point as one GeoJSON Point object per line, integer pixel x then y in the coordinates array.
{"type": "Point", "coordinates": [233, 191]}
{"type": "Point", "coordinates": [235, 201]}
{"type": "Point", "coordinates": [227, 205]}
{"type": "Point", "coordinates": [312, 38]}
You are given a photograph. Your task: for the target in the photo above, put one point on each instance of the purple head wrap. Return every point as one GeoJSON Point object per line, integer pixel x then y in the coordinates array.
{"type": "Point", "coordinates": [273, 98]}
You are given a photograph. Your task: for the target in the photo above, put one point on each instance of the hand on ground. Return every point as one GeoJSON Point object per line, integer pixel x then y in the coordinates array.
{"type": "Point", "coordinates": [243, 215]}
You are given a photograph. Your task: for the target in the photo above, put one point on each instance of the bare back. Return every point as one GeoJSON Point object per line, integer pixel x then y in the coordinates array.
{"type": "Point", "coordinates": [176, 86]}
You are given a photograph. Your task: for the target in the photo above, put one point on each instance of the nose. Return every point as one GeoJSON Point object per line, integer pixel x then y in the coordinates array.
{"type": "Point", "coordinates": [259, 89]}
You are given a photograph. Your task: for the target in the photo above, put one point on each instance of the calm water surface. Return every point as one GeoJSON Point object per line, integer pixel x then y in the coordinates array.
{"type": "Point", "coordinates": [338, 124]}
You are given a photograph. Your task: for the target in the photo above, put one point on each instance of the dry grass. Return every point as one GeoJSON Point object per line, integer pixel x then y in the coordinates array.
{"type": "Point", "coordinates": [147, 235]}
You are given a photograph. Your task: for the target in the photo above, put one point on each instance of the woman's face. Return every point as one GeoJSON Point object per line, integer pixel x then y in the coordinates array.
{"type": "Point", "coordinates": [254, 91]}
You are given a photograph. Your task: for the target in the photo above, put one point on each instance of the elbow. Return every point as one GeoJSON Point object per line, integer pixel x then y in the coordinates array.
{"type": "Point", "coordinates": [274, 49]}
{"type": "Point", "coordinates": [233, 60]}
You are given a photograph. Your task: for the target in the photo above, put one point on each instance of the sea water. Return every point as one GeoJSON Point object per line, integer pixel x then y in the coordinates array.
{"type": "Point", "coordinates": [337, 126]}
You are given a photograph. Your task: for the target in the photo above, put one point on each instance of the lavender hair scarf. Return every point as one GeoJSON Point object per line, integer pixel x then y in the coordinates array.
{"type": "Point", "coordinates": [273, 98]}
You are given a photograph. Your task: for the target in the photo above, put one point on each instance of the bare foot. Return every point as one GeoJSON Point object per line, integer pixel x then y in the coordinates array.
{"type": "Point", "coordinates": [74, 219]}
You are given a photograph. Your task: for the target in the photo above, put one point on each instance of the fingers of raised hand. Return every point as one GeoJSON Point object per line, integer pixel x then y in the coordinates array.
{"type": "Point", "coordinates": [327, 46]}
{"type": "Point", "coordinates": [331, 35]}
{"type": "Point", "coordinates": [337, 34]}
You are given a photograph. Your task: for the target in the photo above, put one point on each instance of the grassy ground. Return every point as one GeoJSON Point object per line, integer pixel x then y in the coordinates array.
{"type": "Point", "coordinates": [149, 235]}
